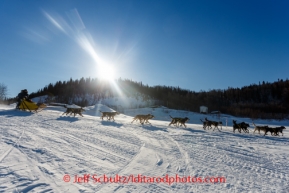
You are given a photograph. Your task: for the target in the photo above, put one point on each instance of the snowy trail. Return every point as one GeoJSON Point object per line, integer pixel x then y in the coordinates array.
{"type": "Point", "coordinates": [243, 165]}
{"type": "Point", "coordinates": [6, 153]}
{"type": "Point", "coordinates": [38, 150]}
{"type": "Point", "coordinates": [158, 156]}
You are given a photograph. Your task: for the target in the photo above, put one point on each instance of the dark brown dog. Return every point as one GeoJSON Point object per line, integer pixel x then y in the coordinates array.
{"type": "Point", "coordinates": [216, 124]}
{"type": "Point", "coordinates": [260, 128]}
{"type": "Point", "coordinates": [178, 121]}
{"type": "Point", "coordinates": [206, 124]}
{"type": "Point", "coordinates": [236, 126]}
{"type": "Point", "coordinates": [143, 118]}
{"type": "Point", "coordinates": [74, 111]}
{"type": "Point", "coordinates": [279, 130]}
{"type": "Point", "coordinates": [109, 115]}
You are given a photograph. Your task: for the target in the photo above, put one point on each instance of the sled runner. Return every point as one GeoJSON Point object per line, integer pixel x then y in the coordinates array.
{"type": "Point", "coordinates": [31, 106]}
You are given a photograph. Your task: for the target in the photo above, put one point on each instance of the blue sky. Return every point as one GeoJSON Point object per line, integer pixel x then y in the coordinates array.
{"type": "Point", "coordinates": [196, 45]}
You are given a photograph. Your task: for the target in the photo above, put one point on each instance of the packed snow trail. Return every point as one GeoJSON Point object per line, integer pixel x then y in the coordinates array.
{"type": "Point", "coordinates": [38, 151]}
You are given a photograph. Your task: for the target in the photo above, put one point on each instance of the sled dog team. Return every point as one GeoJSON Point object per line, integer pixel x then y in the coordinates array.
{"type": "Point", "coordinates": [179, 121]}
{"type": "Point", "coordinates": [244, 126]}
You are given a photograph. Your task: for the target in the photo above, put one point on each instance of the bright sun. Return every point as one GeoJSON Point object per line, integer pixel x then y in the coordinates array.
{"type": "Point", "coordinates": [106, 72]}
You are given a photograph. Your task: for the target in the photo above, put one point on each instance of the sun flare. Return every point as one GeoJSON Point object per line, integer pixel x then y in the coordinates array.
{"type": "Point", "coordinates": [106, 72]}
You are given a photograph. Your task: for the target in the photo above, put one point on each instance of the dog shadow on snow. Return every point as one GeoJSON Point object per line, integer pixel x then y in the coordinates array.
{"type": "Point", "coordinates": [15, 113]}
{"type": "Point", "coordinates": [111, 123]}
{"type": "Point", "coordinates": [153, 128]}
{"type": "Point", "coordinates": [228, 133]}
{"type": "Point", "coordinates": [193, 130]}
{"type": "Point", "coordinates": [68, 119]}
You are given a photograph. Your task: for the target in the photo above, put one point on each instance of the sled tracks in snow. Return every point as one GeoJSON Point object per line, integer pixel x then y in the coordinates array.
{"type": "Point", "coordinates": [159, 155]}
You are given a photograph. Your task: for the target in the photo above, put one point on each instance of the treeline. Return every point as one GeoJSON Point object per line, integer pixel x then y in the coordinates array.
{"type": "Point", "coordinates": [263, 100]}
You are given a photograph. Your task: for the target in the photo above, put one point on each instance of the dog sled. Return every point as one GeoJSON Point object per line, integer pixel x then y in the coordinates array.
{"type": "Point", "coordinates": [31, 106]}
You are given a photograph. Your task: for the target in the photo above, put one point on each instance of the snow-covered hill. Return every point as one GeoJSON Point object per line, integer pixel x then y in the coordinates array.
{"type": "Point", "coordinates": [120, 102]}
{"type": "Point", "coordinates": [39, 152]}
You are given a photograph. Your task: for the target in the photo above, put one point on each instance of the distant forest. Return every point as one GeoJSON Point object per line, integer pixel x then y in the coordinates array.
{"type": "Point", "coordinates": [264, 100]}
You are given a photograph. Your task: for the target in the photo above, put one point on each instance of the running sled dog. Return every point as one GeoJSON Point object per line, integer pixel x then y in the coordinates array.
{"type": "Point", "coordinates": [208, 124]}
{"type": "Point", "coordinates": [143, 118]}
{"type": "Point", "coordinates": [74, 111]}
{"type": "Point", "coordinates": [179, 121]}
{"type": "Point", "coordinates": [240, 126]}
{"type": "Point", "coordinates": [265, 128]}
{"type": "Point", "coordinates": [109, 115]}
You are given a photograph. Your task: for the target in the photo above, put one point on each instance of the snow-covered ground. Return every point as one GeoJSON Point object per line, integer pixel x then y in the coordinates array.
{"type": "Point", "coordinates": [40, 151]}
